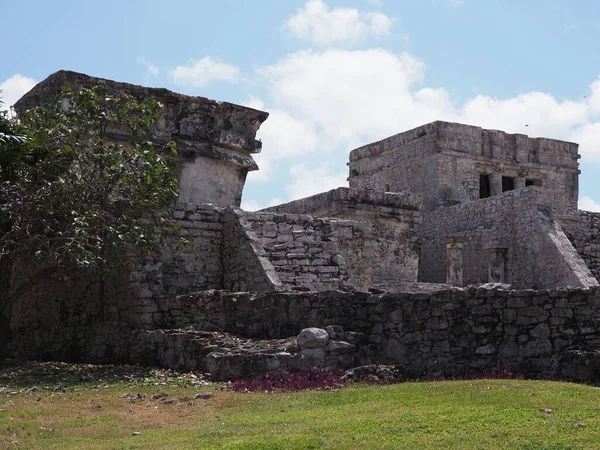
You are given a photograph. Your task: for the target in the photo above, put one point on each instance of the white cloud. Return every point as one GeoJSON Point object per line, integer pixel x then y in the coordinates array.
{"type": "Point", "coordinates": [589, 204]}
{"type": "Point", "coordinates": [253, 205]}
{"type": "Point", "coordinates": [319, 25]}
{"type": "Point", "coordinates": [151, 68]}
{"type": "Point", "coordinates": [325, 103]}
{"type": "Point", "coordinates": [312, 180]}
{"type": "Point", "coordinates": [14, 88]}
{"type": "Point", "coordinates": [287, 137]}
{"type": "Point", "coordinates": [350, 97]}
{"type": "Point", "coordinates": [200, 72]}
{"type": "Point", "coordinates": [533, 113]}
{"type": "Point", "coordinates": [594, 99]}
{"type": "Point", "coordinates": [588, 138]}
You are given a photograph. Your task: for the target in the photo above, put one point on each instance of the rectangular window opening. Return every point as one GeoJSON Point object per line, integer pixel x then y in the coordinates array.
{"type": "Point", "coordinates": [484, 186]}
{"type": "Point", "coordinates": [508, 184]}
{"type": "Point", "coordinates": [532, 182]}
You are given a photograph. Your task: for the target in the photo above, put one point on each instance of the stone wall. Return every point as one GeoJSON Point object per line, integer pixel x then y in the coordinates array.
{"type": "Point", "coordinates": [305, 251]}
{"type": "Point", "coordinates": [376, 236]}
{"type": "Point", "coordinates": [510, 238]}
{"type": "Point", "coordinates": [448, 332]}
{"type": "Point", "coordinates": [314, 253]}
{"type": "Point", "coordinates": [432, 330]}
{"type": "Point", "coordinates": [183, 269]}
{"type": "Point", "coordinates": [215, 140]}
{"type": "Point", "coordinates": [400, 207]}
{"type": "Point", "coordinates": [583, 230]}
{"type": "Point", "coordinates": [246, 263]}
{"type": "Point", "coordinates": [67, 308]}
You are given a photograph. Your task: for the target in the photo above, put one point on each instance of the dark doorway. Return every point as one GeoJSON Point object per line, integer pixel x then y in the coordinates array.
{"type": "Point", "coordinates": [531, 182]}
{"type": "Point", "coordinates": [484, 186]}
{"type": "Point", "coordinates": [508, 184]}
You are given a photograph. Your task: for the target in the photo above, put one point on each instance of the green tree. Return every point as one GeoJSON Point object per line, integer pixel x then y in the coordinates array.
{"type": "Point", "coordinates": [13, 149]}
{"type": "Point", "coordinates": [81, 186]}
{"type": "Point", "coordinates": [92, 183]}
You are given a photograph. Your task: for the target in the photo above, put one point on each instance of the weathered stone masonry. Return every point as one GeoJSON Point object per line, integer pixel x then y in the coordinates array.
{"type": "Point", "coordinates": [443, 203]}
{"type": "Point", "coordinates": [215, 140]}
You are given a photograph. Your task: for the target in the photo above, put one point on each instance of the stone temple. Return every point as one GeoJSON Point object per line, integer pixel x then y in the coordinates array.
{"type": "Point", "coordinates": [454, 249]}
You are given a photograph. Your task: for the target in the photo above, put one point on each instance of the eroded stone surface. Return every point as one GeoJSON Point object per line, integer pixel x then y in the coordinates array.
{"type": "Point", "coordinates": [215, 140]}
{"type": "Point", "coordinates": [312, 338]}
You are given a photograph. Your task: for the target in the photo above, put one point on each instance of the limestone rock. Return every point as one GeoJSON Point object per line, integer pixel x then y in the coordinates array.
{"type": "Point", "coordinates": [312, 338]}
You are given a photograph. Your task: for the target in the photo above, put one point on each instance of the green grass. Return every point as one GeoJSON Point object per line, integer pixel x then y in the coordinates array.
{"type": "Point", "coordinates": [482, 414]}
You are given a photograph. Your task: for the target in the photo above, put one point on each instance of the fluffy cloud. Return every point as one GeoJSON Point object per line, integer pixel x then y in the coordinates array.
{"type": "Point", "coordinates": [533, 113]}
{"type": "Point", "coordinates": [287, 137]}
{"type": "Point", "coordinates": [200, 72]}
{"type": "Point", "coordinates": [324, 103]}
{"type": "Point", "coordinates": [349, 96]}
{"type": "Point", "coordinates": [321, 26]}
{"type": "Point", "coordinates": [589, 204]}
{"type": "Point", "coordinates": [588, 138]}
{"type": "Point", "coordinates": [309, 180]}
{"type": "Point", "coordinates": [13, 89]}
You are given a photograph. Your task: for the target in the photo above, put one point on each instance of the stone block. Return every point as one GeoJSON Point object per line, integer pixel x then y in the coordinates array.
{"type": "Point", "coordinates": [312, 338]}
{"type": "Point", "coordinates": [336, 347]}
{"type": "Point", "coordinates": [486, 349]}
{"type": "Point", "coordinates": [335, 332]}
{"type": "Point", "coordinates": [541, 331]}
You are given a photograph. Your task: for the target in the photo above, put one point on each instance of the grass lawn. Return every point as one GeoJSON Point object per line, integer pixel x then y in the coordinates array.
{"type": "Point", "coordinates": [482, 414]}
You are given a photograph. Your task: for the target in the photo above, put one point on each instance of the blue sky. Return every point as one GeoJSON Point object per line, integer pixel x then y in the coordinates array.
{"type": "Point", "coordinates": [334, 74]}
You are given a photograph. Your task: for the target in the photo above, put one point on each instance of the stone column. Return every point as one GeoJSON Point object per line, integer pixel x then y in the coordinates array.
{"type": "Point", "coordinates": [519, 182]}
{"type": "Point", "coordinates": [495, 184]}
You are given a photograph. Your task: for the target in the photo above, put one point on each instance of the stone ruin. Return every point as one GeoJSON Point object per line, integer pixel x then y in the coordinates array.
{"type": "Point", "coordinates": [454, 250]}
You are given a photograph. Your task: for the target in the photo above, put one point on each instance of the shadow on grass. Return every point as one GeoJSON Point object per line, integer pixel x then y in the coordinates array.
{"type": "Point", "coordinates": [33, 373]}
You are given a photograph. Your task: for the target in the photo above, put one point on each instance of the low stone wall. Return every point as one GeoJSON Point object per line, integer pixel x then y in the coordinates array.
{"type": "Point", "coordinates": [402, 207]}
{"type": "Point", "coordinates": [446, 332]}
{"type": "Point", "coordinates": [53, 313]}
{"type": "Point", "coordinates": [432, 331]}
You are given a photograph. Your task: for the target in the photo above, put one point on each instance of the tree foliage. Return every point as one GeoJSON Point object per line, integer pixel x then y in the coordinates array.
{"type": "Point", "coordinates": [13, 151]}
{"type": "Point", "coordinates": [86, 182]}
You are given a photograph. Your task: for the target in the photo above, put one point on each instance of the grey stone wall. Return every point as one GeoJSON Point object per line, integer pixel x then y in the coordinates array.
{"type": "Point", "coordinates": [304, 251]}
{"type": "Point", "coordinates": [215, 140]}
{"type": "Point", "coordinates": [318, 254]}
{"type": "Point", "coordinates": [583, 230]}
{"type": "Point", "coordinates": [179, 268]}
{"type": "Point", "coordinates": [449, 159]}
{"type": "Point", "coordinates": [401, 207]}
{"type": "Point", "coordinates": [376, 236]}
{"type": "Point", "coordinates": [448, 332]}
{"type": "Point", "coordinates": [246, 263]}
{"type": "Point", "coordinates": [67, 308]}
{"type": "Point", "coordinates": [516, 226]}
{"type": "Point", "coordinates": [432, 330]}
